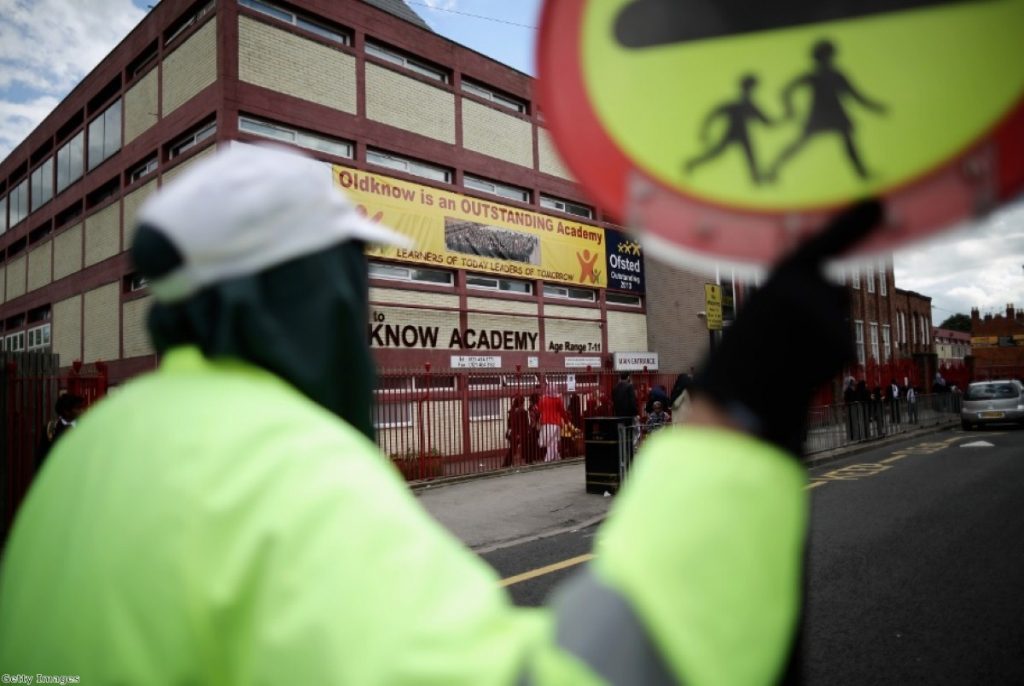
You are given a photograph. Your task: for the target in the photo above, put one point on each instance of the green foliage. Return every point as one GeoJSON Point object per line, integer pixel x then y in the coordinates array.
{"type": "Point", "coordinates": [957, 322]}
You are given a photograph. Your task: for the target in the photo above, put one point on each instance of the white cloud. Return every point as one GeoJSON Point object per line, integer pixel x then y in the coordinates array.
{"type": "Point", "coordinates": [980, 266]}
{"type": "Point", "coordinates": [46, 48]}
{"type": "Point", "coordinates": [441, 4]}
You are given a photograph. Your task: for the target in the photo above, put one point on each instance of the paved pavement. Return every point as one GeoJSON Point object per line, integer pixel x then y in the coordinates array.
{"type": "Point", "coordinates": [496, 511]}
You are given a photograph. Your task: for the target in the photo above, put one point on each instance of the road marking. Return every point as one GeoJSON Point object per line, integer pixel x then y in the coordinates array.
{"type": "Point", "coordinates": [977, 444]}
{"type": "Point", "coordinates": [541, 571]}
{"type": "Point", "coordinates": [814, 484]}
{"type": "Point", "coordinates": [896, 457]}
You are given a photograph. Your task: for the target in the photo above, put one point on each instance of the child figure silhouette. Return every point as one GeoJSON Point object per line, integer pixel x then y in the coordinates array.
{"type": "Point", "coordinates": [738, 115]}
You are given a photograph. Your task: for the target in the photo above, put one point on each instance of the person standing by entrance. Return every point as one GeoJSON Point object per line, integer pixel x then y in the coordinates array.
{"type": "Point", "coordinates": [552, 417]}
{"type": "Point", "coordinates": [624, 397]}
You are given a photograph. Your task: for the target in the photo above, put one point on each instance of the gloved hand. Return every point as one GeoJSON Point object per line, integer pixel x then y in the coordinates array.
{"type": "Point", "coordinates": [791, 337]}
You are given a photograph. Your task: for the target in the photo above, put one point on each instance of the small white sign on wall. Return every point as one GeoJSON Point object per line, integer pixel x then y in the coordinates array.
{"type": "Point", "coordinates": [583, 362]}
{"type": "Point", "coordinates": [476, 361]}
{"type": "Point", "coordinates": [532, 362]}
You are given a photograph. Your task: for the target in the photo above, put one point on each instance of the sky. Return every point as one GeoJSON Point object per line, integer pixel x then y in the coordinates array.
{"type": "Point", "coordinates": [48, 46]}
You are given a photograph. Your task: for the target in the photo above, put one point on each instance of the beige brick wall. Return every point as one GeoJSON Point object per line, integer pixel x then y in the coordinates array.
{"type": "Point", "coordinates": [398, 318]}
{"type": "Point", "coordinates": [673, 329]}
{"type": "Point", "coordinates": [191, 67]}
{"type": "Point", "coordinates": [286, 63]}
{"type": "Point", "coordinates": [67, 329]}
{"type": "Point", "coordinates": [103, 234]}
{"type": "Point", "coordinates": [141, 106]}
{"type": "Point", "coordinates": [560, 331]}
{"type": "Point", "coordinates": [132, 202]}
{"type": "Point", "coordinates": [16, 278]}
{"type": "Point", "coordinates": [567, 311]}
{"type": "Point", "coordinates": [494, 133]}
{"type": "Point", "coordinates": [627, 332]}
{"type": "Point", "coordinates": [406, 103]}
{"type": "Point", "coordinates": [501, 305]}
{"type": "Point", "coordinates": [67, 252]}
{"type": "Point", "coordinates": [505, 323]}
{"type": "Point", "coordinates": [169, 176]}
{"type": "Point", "coordinates": [39, 261]}
{"type": "Point", "coordinates": [394, 295]}
{"type": "Point", "coordinates": [548, 160]}
{"type": "Point", "coordinates": [135, 338]}
{"type": "Point", "coordinates": [101, 322]}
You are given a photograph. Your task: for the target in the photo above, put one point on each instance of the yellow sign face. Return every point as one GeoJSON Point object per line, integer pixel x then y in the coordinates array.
{"type": "Point", "coordinates": [459, 232]}
{"type": "Point", "coordinates": [713, 306]}
{"type": "Point", "coordinates": [773, 109]}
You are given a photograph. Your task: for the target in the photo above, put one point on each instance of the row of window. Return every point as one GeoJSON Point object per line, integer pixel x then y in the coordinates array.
{"type": "Point", "coordinates": [884, 354]}
{"type": "Point", "coordinates": [919, 328]}
{"type": "Point", "coordinates": [104, 139]}
{"type": "Point", "coordinates": [443, 277]}
{"type": "Point", "coordinates": [342, 36]}
{"type": "Point", "coordinates": [388, 160]}
{"type": "Point", "coordinates": [869, 278]}
{"type": "Point", "coordinates": [36, 338]}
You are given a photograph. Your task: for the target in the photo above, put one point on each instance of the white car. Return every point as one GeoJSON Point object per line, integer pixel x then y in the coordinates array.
{"type": "Point", "coordinates": [992, 402]}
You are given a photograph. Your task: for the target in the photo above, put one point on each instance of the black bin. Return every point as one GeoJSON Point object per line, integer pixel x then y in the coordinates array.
{"type": "Point", "coordinates": [601, 457]}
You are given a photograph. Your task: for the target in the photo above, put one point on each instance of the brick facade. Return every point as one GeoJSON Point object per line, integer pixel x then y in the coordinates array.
{"type": "Point", "coordinates": [997, 343]}
{"type": "Point", "coordinates": [407, 103]}
{"type": "Point", "coordinates": [190, 68]}
{"type": "Point", "coordinates": [141, 106]}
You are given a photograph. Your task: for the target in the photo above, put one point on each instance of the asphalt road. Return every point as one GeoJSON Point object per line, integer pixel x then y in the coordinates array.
{"type": "Point", "coordinates": [915, 569]}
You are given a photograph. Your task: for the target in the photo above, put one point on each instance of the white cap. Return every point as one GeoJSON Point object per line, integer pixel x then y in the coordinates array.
{"type": "Point", "coordinates": [247, 208]}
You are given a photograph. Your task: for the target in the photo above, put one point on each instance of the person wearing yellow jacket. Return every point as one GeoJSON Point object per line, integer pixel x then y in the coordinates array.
{"type": "Point", "coordinates": [227, 519]}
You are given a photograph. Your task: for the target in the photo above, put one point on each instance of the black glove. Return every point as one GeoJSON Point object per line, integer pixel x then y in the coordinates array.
{"type": "Point", "coordinates": [790, 338]}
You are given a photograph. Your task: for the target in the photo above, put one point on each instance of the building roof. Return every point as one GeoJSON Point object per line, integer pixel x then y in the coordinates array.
{"type": "Point", "coordinates": [400, 10]}
{"type": "Point", "coordinates": [951, 334]}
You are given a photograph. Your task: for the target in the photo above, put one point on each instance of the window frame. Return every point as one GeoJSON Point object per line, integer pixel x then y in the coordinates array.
{"type": "Point", "coordinates": [298, 20]}
{"type": "Point", "coordinates": [409, 269]}
{"type": "Point", "coordinates": [858, 337]}
{"type": "Point", "coordinates": [855, 278]}
{"type": "Point", "coordinates": [509, 102]}
{"type": "Point", "coordinates": [475, 402]}
{"type": "Point", "coordinates": [20, 192]}
{"type": "Point", "coordinates": [187, 142]}
{"type": "Point", "coordinates": [109, 129]}
{"type": "Point", "coordinates": [551, 202]}
{"type": "Point", "coordinates": [73, 176]}
{"type": "Point", "coordinates": [873, 340]}
{"type": "Point", "coordinates": [43, 176]}
{"type": "Point", "coordinates": [886, 343]}
{"type": "Point", "coordinates": [515, 193]}
{"type": "Point", "coordinates": [143, 169]}
{"type": "Point", "coordinates": [869, 277]}
{"type": "Point", "coordinates": [299, 137]}
{"type": "Point", "coordinates": [403, 422]}
{"type": "Point", "coordinates": [498, 282]}
{"type": "Point", "coordinates": [883, 287]}
{"type": "Point", "coordinates": [392, 56]}
{"type": "Point", "coordinates": [45, 338]}
{"type": "Point", "coordinates": [408, 165]}
{"type": "Point", "coordinates": [567, 295]}
{"type": "Point", "coordinates": [191, 21]}
{"type": "Point", "coordinates": [611, 294]}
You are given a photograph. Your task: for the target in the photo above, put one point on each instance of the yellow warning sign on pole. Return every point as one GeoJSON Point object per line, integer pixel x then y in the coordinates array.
{"type": "Point", "coordinates": [713, 306]}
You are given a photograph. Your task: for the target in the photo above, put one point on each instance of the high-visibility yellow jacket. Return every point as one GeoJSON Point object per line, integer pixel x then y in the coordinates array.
{"type": "Point", "coordinates": [209, 524]}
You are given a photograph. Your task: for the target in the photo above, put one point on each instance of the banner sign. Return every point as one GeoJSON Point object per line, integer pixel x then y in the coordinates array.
{"type": "Point", "coordinates": [460, 232]}
{"type": "Point", "coordinates": [625, 262]}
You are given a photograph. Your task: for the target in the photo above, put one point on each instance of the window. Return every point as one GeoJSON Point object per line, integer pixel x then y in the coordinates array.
{"type": "Point", "coordinates": [495, 188]}
{"type": "Point", "coordinates": [134, 282]}
{"type": "Point", "coordinates": [42, 184]}
{"type": "Point", "coordinates": [380, 270]}
{"type": "Point", "coordinates": [873, 331]}
{"type": "Point", "coordinates": [481, 409]}
{"type": "Point", "coordinates": [869, 276]}
{"type": "Point", "coordinates": [392, 415]}
{"type": "Point", "coordinates": [901, 328]}
{"type": "Point", "coordinates": [188, 21]}
{"type": "Point", "coordinates": [924, 331]}
{"type": "Point", "coordinates": [3, 214]}
{"type": "Point", "coordinates": [144, 169]}
{"type": "Point", "coordinates": [303, 139]}
{"type": "Point", "coordinates": [39, 337]}
{"type": "Point", "coordinates": [855, 278]}
{"type": "Point", "coordinates": [427, 171]}
{"type": "Point", "coordinates": [883, 287]}
{"type": "Point", "coordinates": [289, 17]}
{"type": "Point", "coordinates": [552, 291]}
{"type": "Point", "coordinates": [15, 342]}
{"type": "Point", "coordinates": [621, 299]}
{"type": "Point", "coordinates": [105, 135]}
{"type": "Point", "coordinates": [494, 96]}
{"type": "Point", "coordinates": [19, 203]}
{"type": "Point", "coordinates": [69, 161]}
{"type": "Point", "coordinates": [494, 284]}
{"type": "Point", "coordinates": [913, 328]}
{"type": "Point", "coordinates": [395, 57]}
{"type": "Point", "coordinates": [858, 331]}
{"type": "Point", "coordinates": [189, 141]}
{"type": "Point", "coordinates": [566, 206]}
{"type": "Point", "coordinates": [886, 343]}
